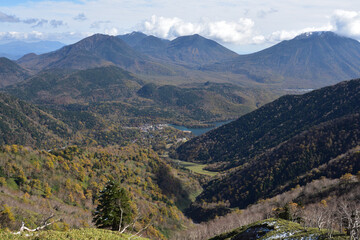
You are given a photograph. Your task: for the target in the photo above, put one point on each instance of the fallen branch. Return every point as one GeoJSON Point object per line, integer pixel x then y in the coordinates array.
{"type": "Point", "coordinates": [45, 224]}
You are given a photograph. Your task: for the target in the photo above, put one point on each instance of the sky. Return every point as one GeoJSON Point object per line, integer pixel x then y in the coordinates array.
{"type": "Point", "coordinates": [242, 25]}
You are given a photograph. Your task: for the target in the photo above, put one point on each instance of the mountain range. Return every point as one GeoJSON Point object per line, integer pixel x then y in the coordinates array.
{"type": "Point", "coordinates": [310, 60]}
{"type": "Point", "coordinates": [186, 50]}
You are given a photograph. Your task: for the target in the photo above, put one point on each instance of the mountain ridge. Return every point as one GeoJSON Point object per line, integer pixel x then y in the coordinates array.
{"type": "Point", "coordinates": [310, 60]}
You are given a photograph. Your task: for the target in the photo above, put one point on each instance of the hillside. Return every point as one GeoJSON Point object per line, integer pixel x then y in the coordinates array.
{"type": "Point", "coordinates": [22, 123]}
{"type": "Point", "coordinates": [315, 153]}
{"type": "Point", "coordinates": [272, 124]}
{"type": "Point", "coordinates": [11, 73]}
{"type": "Point", "coordinates": [310, 60]}
{"type": "Point", "coordinates": [64, 87]}
{"type": "Point", "coordinates": [66, 183]}
{"type": "Point", "coordinates": [116, 94]}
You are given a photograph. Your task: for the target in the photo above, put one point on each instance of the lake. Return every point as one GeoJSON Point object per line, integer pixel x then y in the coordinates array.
{"type": "Point", "coordinates": [199, 131]}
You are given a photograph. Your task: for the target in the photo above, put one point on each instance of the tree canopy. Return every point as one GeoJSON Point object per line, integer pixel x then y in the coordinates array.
{"type": "Point", "coordinates": [114, 210]}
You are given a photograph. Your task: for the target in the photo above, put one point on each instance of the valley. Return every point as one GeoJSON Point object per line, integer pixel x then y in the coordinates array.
{"type": "Point", "coordinates": [182, 139]}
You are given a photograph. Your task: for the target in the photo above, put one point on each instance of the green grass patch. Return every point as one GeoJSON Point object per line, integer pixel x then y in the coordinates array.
{"type": "Point", "coordinates": [195, 167]}
{"type": "Point", "coordinates": [78, 234]}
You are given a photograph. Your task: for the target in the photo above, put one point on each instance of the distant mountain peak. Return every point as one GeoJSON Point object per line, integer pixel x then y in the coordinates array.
{"type": "Point", "coordinates": [137, 33]}
{"type": "Point", "coordinates": [316, 34]}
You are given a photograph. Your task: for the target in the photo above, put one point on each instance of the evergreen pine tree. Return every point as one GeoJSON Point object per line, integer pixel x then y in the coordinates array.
{"type": "Point", "coordinates": [114, 209]}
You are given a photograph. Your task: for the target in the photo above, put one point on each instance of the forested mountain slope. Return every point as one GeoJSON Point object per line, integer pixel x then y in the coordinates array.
{"type": "Point", "coordinates": [11, 73]}
{"type": "Point", "coordinates": [272, 124]}
{"type": "Point", "coordinates": [22, 123]}
{"type": "Point", "coordinates": [330, 149]}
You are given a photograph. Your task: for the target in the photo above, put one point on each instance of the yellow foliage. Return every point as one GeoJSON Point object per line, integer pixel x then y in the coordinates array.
{"type": "Point", "coordinates": [47, 190]}
{"type": "Point", "coordinates": [7, 213]}
{"type": "Point", "coordinates": [2, 181]}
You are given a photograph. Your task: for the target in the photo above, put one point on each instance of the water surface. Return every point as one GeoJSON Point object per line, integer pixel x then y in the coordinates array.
{"type": "Point", "coordinates": [199, 131]}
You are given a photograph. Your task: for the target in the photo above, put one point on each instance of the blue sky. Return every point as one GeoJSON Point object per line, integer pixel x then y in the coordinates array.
{"type": "Point", "coordinates": [242, 25]}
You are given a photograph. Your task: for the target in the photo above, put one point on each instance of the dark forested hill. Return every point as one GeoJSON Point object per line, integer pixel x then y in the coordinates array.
{"type": "Point", "coordinates": [91, 85]}
{"type": "Point", "coordinates": [273, 124]}
{"type": "Point", "coordinates": [22, 123]}
{"type": "Point", "coordinates": [310, 60]}
{"type": "Point", "coordinates": [280, 169]}
{"type": "Point", "coordinates": [11, 73]}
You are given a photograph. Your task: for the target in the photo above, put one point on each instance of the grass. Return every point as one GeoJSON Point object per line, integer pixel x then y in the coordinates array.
{"type": "Point", "coordinates": [195, 167]}
{"type": "Point", "coordinates": [75, 234]}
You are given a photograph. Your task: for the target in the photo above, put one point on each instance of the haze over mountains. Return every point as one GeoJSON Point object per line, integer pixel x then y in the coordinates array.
{"type": "Point", "coordinates": [15, 50]}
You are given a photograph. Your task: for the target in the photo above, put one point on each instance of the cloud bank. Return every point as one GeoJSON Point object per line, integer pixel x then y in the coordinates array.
{"type": "Point", "coordinates": [346, 23]}
{"type": "Point", "coordinates": [243, 31]}
{"type": "Point", "coordinates": [240, 31]}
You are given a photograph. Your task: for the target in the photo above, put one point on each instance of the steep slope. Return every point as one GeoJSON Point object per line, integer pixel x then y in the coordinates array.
{"type": "Point", "coordinates": [11, 73]}
{"type": "Point", "coordinates": [272, 124]}
{"type": "Point", "coordinates": [310, 60]}
{"type": "Point", "coordinates": [94, 51]}
{"type": "Point", "coordinates": [91, 85]}
{"type": "Point", "coordinates": [22, 123]}
{"type": "Point", "coordinates": [317, 152]}
{"type": "Point", "coordinates": [15, 50]}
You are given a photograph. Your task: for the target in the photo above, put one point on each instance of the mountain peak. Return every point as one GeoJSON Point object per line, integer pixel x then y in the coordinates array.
{"type": "Point", "coordinates": [132, 38]}
{"type": "Point", "coordinates": [316, 34]}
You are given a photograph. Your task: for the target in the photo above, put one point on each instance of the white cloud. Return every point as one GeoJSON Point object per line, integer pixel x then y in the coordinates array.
{"type": "Point", "coordinates": [278, 36]}
{"type": "Point", "coordinates": [113, 31]}
{"type": "Point", "coordinates": [37, 35]}
{"type": "Point", "coordinates": [346, 23]}
{"type": "Point", "coordinates": [237, 32]}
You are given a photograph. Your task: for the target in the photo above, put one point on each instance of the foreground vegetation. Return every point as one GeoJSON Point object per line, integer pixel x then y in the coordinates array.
{"type": "Point", "coordinates": [81, 234]}
{"type": "Point", "coordinates": [66, 183]}
{"type": "Point", "coordinates": [277, 229]}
